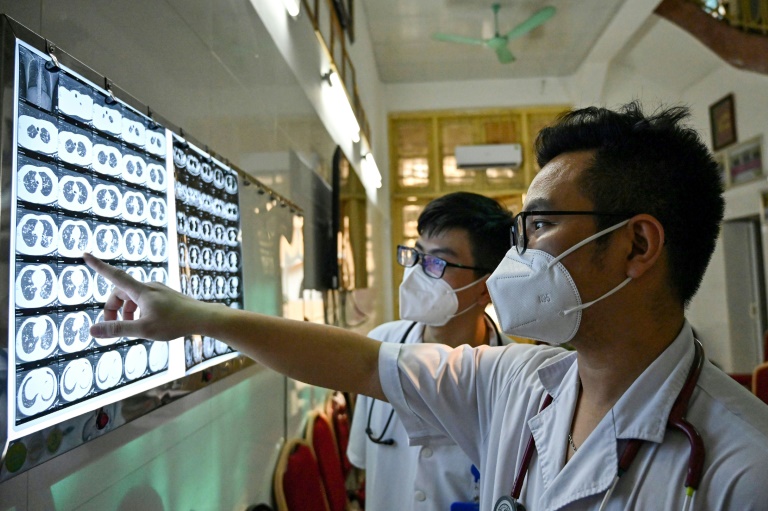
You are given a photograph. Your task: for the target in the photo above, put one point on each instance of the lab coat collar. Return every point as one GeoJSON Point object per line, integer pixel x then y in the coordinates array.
{"type": "Point", "coordinates": [638, 414]}
{"type": "Point", "coordinates": [643, 414]}
{"type": "Point", "coordinates": [553, 374]}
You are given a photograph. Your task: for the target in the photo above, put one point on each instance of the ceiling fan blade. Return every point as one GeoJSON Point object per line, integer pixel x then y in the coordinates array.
{"type": "Point", "coordinates": [534, 21]}
{"type": "Point", "coordinates": [505, 56]}
{"type": "Point", "coordinates": [458, 39]}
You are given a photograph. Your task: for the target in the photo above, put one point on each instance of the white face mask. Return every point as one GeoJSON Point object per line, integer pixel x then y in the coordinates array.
{"type": "Point", "coordinates": [427, 300]}
{"type": "Point", "coordinates": [535, 297]}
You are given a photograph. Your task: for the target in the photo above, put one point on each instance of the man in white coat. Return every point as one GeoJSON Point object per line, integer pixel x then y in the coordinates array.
{"type": "Point", "coordinates": [462, 238]}
{"type": "Point", "coordinates": [616, 232]}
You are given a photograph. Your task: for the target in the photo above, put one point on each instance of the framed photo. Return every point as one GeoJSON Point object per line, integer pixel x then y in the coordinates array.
{"type": "Point", "coordinates": [351, 27]}
{"type": "Point", "coordinates": [745, 162]}
{"type": "Point", "coordinates": [722, 121]}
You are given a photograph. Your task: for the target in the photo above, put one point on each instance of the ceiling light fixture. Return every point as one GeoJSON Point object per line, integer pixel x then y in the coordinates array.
{"type": "Point", "coordinates": [368, 165]}
{"type": "Point", "coordinates": [292, 7]}
{"type": "Point", "coordinates": [341, 105]}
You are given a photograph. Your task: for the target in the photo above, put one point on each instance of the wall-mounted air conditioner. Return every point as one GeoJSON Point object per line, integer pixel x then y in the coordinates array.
{"type": "Point", "coordinates": [489, 156]}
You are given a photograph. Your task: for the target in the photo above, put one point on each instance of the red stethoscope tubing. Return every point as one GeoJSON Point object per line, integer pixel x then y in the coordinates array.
{"type": "Point", "coordinates": [676, 420]}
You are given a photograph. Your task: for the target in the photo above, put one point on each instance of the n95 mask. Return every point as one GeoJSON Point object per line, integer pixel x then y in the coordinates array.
{"type": "Point", "coordinates": [427, 300]}
{"type": "Point", "coordinates": [535, 297]}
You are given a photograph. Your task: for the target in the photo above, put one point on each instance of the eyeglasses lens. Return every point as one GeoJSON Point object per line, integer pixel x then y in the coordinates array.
{"type": "Point", "coordinates": [433, 266]}
{"type": "Point", "coordinates": [520, 235]}
{"type": "Point", "coordinates": [406, 256]}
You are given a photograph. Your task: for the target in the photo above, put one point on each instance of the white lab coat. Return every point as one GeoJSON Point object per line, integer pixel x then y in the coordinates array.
{"type": "Point", "coordinates": [429, 477]}
{"type": "Point", "coordinates": [487, 400]}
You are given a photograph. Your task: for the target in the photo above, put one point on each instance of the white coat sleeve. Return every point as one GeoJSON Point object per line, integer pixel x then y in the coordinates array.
{"type": "Point", "coordinates": [441, 392]}
{"type": "Point", "coordinates": [356, 449]}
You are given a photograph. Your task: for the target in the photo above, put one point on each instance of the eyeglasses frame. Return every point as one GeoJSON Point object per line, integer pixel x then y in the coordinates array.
{"type": "Point", "coordinates": [420, 258]}
{"type": "Point", "coordinates": [513, 234]}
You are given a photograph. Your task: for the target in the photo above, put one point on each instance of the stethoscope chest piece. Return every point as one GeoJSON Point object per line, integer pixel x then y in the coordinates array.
{"type": "Point", "coordinates": [507, 503]}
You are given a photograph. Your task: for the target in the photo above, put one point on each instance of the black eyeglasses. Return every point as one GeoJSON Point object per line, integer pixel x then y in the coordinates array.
{"type": "Point", "coordinates": [518, 230]}
{"type": "Point", "coordinates": [433, 266]}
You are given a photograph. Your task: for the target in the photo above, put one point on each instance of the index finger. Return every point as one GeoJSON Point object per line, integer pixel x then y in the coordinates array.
{"type": "Point", "coordinates": [116, 276]}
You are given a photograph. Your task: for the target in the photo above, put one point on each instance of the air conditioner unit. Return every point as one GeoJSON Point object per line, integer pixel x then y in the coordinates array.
{"type": "Point", "coordinates": [489, 156]}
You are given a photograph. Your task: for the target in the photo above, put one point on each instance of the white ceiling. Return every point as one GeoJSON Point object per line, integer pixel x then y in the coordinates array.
{"type": "Point", "coordinates": [405, 52]}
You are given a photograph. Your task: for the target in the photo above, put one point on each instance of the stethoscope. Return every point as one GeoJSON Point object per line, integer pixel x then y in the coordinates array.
{"type": "Point", "coordinates": [391, 441]}
{"type": "Point", "coordinates": [676, 420]}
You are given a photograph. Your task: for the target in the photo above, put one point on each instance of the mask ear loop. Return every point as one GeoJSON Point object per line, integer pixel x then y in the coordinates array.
{"type": "Point", "coordinates": [578, 246]}
{"type": "Point", "coordinates": [467, 286]}
{"type": "Point", "coordinates": [606, 295]}
{"type": "Point", "coordinates": [585, 241]}
{"type": "Point", "coordinates": [454, 291]}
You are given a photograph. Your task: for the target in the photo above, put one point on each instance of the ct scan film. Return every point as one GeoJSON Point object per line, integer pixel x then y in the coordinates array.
{"type": "Point", "coordinates": [89, 175]}
{"type": "Point", "coordinates": [208, 227]}
{"type": "Point", "coordinates": [88, 172]}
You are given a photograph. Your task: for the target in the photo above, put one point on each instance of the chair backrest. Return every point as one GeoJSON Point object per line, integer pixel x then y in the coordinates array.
{"type": "Point", "coordinates": [745, 379]}
{"type": "Point", "coordinates": [338, 409]}
{"type": "Point", "coordinates": [321, 437]}
{"type": "Point", "coordinates": [297, 482]}
{"type": "Point", "coordinates": [760, 382]}
{"type": "Point", "coordinates": [765, 346]}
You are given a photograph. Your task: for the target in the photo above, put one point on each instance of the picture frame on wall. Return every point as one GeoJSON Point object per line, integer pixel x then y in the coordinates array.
{"type": "Point", "coordinates": [345, 11]}
{"type": "Point", "coordinates": [722, 121]}
{"type": "Point", "coordinates": [745, 162]}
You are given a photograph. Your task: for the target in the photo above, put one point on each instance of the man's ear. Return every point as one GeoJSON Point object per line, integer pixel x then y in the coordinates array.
{"type": "Point", "coordinates": [647, 237]}
{"type": "Point", "coordinates": [485, 296]}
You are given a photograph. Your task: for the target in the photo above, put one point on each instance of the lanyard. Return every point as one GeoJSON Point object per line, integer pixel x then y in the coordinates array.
{"type": "Point", "coordinates": [676, 420]}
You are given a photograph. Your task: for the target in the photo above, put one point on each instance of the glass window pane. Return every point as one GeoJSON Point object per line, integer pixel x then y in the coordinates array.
{"type": "Point", "coordinates": [411, 214]}
{"type": "Point", "coordinates": [536, 122]}
{"type": "Point", "coordinates": [501, 132]}
{"type": "Point", "coordinates": [412, 141]}
{"type": "Point", "coordinates": [505, 178]}
{"type": "Point", "coordinates": [452, 134]}
{"type": "Point", "coordinates": [456, 177]}
{"type": "Point", "coordinates": [413, 172]}
{"type": "Point", "coordinates": [412, 138]}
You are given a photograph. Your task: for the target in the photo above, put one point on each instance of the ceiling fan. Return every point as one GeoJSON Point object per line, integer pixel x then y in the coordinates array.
{"type": "Point", "coordinates": [498, 42]}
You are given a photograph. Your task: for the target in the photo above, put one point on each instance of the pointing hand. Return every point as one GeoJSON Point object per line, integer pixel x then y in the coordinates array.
{"type": "Point", "coordinates": [164, 313]}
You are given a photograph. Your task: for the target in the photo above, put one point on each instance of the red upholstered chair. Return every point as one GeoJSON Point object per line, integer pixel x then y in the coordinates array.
{"type": "Point", "coordinates": [322, 439]}
{"type": "Point", "coordinates": [745, 379]}
{"type": "Point", "coordinates": [760, 382]}
{"type": "Point", "coordinates": [297, 482]}
{"type": "Point", "coordinates": [338, 410]}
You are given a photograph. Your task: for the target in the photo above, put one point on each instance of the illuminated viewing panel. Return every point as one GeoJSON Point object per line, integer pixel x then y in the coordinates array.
{"type": "Point", "coordinates": [208, 228]}
{"type": "Point", "coordinates": [89, 172]}
{"type": "Point", "coordinates": [89, 175]}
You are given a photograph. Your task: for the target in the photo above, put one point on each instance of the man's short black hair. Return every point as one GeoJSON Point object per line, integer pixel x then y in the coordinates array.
{"type": "Point", "coordinates": [648, 164]}
{"type": "Point", "coordinates": [486, 221]}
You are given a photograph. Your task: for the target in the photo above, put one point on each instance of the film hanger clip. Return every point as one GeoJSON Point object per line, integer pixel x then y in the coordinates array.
{"type": "Point", "coordinates": [108, 87]}
{"type": "Point", "coordinates": [50, 48]}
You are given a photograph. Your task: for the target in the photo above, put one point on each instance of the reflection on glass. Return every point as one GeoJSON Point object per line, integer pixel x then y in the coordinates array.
{"type": "Point", "coordinates": [502, 177]}
{"type": "Point", "coordinates": [454, 176]}
{"type": "Point", "coordinates": [411, 214]}
{"type": "Point", "coordinates": [413, 172]}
